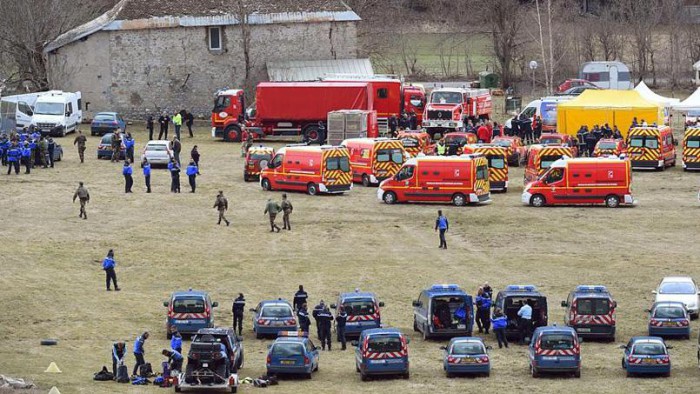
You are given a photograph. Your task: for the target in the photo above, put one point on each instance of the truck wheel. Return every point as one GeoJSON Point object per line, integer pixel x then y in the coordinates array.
{"type": "Point", "coordinates": [232, 133]}
{"type": "Point", "coordinates": [537, 201]}
{"type": "Point", "coordinates": [415, 325]}
{"type": "Point", "coordinates": [245, 177]}
{"type": "Point", "coordinates": [365, 180]}
{"type": "Point", "coordinates": [312, 135]}
{"type": "Point", "coordinates": [459, 199]}
{"type": "Point", "coordinates": [265, 184]}
{"type": "Point", "coordinates": [312, 189]}
{"type": "Point", "coordinates": [389, 198]}
{"type": "Point", "coordinates": [308, 376]}
{"type": "Point", "coordinates": [612, 201]}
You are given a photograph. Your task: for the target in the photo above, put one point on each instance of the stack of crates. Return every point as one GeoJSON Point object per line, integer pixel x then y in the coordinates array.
{"type": "Point", "coordinates": [344, 124]}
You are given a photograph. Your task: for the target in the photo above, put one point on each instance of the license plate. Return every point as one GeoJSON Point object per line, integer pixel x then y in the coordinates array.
{"type": "Point", "coordinates": [649, 361]}
{"type": "Point", "coordinates": [583, 329]}
{"type": "Point", "coordinates": [376, 361]}
{"type": "Point", "coordinates": [549, 358]}
{"type": "Point", "coordinates": [205, 365]}
{"type": "Point", "coordinates": [183, 322]}
{"type": "Point", "coordinates": [277, 323]}
{"type": "Point", "coordinates": [669, 324]}
{"type": "Point", "coordinates": [461, 326]}
{"type": "Point", "coordinates": [287, 362]}
{"type": "Point", "coordinates": [352, 323]}
{"type": "Point", "coordinates": [467, 360]}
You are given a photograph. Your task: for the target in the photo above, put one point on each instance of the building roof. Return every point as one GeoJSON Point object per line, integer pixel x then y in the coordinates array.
{"type": "Point", "coordinates": [314, 70]}
{"type": "Point", "coordinates": [149, 14]}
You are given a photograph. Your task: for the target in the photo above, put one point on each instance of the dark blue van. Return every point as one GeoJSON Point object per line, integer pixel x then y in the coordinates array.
{"type": "Point", "coordinates": [555, 349]}
{"type": "Point", "coordinates": [381, 351]}
{"type": "Point", "coordinates": [443, 311]}
{"type": "Point", "coordinates": [363, 311]}
{"type": "Point", "coordinates": [509, 301]}
{"type": "Point", "coordinates": [189, 311]}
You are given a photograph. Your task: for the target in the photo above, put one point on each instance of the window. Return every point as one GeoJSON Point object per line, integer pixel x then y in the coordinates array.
{"type": "Point", "coordinates": [80, 103]}
{"type": "Point", "coordinates": [215, 39]}
{"type": "Point", "coordinates": [405, 173]}
{"type": "Point", "coordinates": [384, 345]}
{"type": "Point", "coordinates": [546, 161]}
{"type": "Point", "coordinates": [592, 306]}
{"type": "Point", "coordinates": [364, 153]}
{"type": "Point", "coordinates": [188, 305]}
{"type": "Point", "coordinates": [386, 155]}
{"type": "Point", "coordinates": [467, 349]}
{"type": "Point", "coordinates": [104, 117]}
{"type": "Point", "coordinates": [446, 98]}
{"type": "Point", "coordinates": [383, 93]}
{"type": "Point", "coordinates": [496, 162]}
{"type": "Point", "coordinates": [338, 163]}
{"type": "Point", "coordinates": [648, 349]}
{"type": "Point", "coordinates": [222, 102]}
{"type": "Point", "coordinates": [669, 312]}
{"type": "Point", "coordinates": [49, 109]}
{"type": "Point", "coordinates": [557, 342]}
{"type": "Point", "coordinates": [287, 349]}
{"type": "Point", "coordinates": [623, 76]}
{"type": "Point", "coordinates": [693, 143]}
{"type": "Point", "coordinates": [24, 108]}
{"type": "Point", "coordinates": [359, 307]}
{"type": "Point", "coordinates": [677, 288]}
{"type": "Point", "coordinates": [69, 109]}
{"type": "Point", "coordinates": [277, 161]}
{"type": "Point", "coordinates": [482, 172]}
{"type": "Point", "coordinates": [276, 311]}
{"type": "Point", "coordinates": [528, 113]}
{"type": "Point", "coordinates": [555, 175]}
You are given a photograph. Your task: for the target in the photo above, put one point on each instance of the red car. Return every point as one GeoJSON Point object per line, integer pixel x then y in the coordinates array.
{"type": "Point", "coordinates": [517, 152]}
{"type": "Point", "coordinates": [572, 83]}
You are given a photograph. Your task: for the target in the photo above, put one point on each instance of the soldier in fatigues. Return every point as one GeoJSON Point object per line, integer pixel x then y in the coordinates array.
{"type": "Point", "coordinates": [84, 196]}
{"type": "Point", "coordinates": [221, 205]}
{"type": "Point", "coordinates": [80, 140]}
{"type": "Point", "coordinates": [272, 208]}
{"type": "Point", "coordinates": [287, 209]}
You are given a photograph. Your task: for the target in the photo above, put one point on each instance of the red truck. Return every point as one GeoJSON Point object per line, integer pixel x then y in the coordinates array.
{"type": "Point", "coordinates": [449, 107]}
{"type": "Point", "coordinates": [284, 108]}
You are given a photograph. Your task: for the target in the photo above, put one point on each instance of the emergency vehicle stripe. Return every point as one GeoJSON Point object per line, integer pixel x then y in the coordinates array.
{"type": "Point", "coordinates": [390, 167]}
{"type": "Point", "coordinates": [189, 315]}
{"type": "Point", "coordinates": [691, 152]}
{"type": "Point", "coordinates": [693, 131]}
{"type": "Point", "coordinates": [641, 153]}
{"type": "Point", "coordinates": [645, 131]}
{"type": "Point", "coordinates": [551, 151]}
{"type": "Point", "coordinates": [336, 177]}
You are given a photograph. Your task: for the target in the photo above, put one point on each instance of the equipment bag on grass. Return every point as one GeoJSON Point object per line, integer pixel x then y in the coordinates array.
{"type": "Point", "coordinates": [103, 375]}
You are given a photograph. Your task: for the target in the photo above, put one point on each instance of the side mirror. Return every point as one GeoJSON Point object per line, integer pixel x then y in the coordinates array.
{"type": "Point", "coordinates": [647, 310]}
{"type": "Point", "coordinates": [354, 343]}
{"type": "Point", "coordinates": [669, 347]}
{"type": "Point", "coordinates": [333, 306]}
{"type": "Point", "coordinates": [415, 304]}
{"type": "Point", "coordinates": [488, 348]}
{"type": "Point", "coordinates": [622, 347]}
{"type": "Point", "coordinates": [252, 310]}
{"type": "Point", "coordinates": [564, 304]}
{"type": "Point", "coordinates": [653, 292]}
{"type": "Point", "coordinates": [381, 304]}
{"type": "Point", "coordinates": [614, 304]}
{"type": "Point", "coordinates": [443, 347]}
{"type": "Point", "coordinates": [214, 304]}
{"type": "Point", "coordinates": [166, 303]}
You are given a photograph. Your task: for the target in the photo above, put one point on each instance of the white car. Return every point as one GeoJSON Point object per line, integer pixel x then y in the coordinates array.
{"type": "Point", "coordinates": [157, 152]}
{"type": "Point", "coordinates": [682, 289]}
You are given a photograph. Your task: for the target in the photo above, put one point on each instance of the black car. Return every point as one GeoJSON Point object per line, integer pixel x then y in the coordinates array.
{"type": "Point", "coordinates": [227, 337]}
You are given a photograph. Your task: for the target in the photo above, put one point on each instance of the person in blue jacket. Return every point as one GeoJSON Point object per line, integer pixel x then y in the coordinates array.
{"type": "Point", "coordinates": [14, 153]}
{"type": "Point", "coordinates": [499, 328]}
{"type": "Point", "coordinates": [174, 169]}
{"type": "Point", "coordinates": [139, 351]}
{"type": "Point", "coordinates": [129, 145]}
{"type": "Point", "coordinates": [176, 339]}
{"type": "Point", "coordinates": [127, 171]}
{"type": "Point", "coordinates": [483, 311]}
{"type": "Point", "coordinates": [174, 358]}
{"type": "Point", "coordinates": [192, 174]}
{"type": "Point", "coordinates": [108, 265]}
{"type": "Point", "coordinates": [442, 225]}
{"type": "Point", "coordinates": [26, 157]}
{"type": "Point", "coordinates": [147, 174]}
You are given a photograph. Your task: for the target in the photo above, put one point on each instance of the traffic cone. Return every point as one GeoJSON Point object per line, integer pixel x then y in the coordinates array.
{"type": "Point", "coordinates": [53, 368]}
{"type": "Point", "coordinates": [54, 390]}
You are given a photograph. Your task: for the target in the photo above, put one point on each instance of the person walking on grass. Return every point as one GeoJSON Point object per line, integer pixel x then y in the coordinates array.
{"type": "Point", "coordinates": [80, 141]}
{"type": "Point", "coordinates": [287, 209]}
{"type": "Point", "coordinates": [221, 205]}
{"type": "Point", "coordinates": [192, 175]}
{"type": "Point", "coordinates": [84, 196]}
{"type": "Point", "coordinates": [272, 208]}
{"type": "Point", "coordinates": [189, 121]}
{"type": "Point", "coordinates": [442, 225]}
{"type": "Point", "coordinates": [194, 154]}
{"type": "Point", "coordinates": [108, 265]}
{"type": "Point", "coordinates": [127, 171]}
{"type": "Point", "coordinates": [147, 173]}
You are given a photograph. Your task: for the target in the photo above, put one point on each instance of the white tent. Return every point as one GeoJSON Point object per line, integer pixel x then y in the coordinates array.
{"type": "Point", "coordinates": [649, 95]}
{"type": "Point", "coordinates": [691, 103]}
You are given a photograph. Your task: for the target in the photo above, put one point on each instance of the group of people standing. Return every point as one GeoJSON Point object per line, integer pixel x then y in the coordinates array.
{"type": "Point", "coordinates": [529, 130]}
{"type": "Point", "coordinates": [164, 120]}
{"type": "Point", "coordinates": [27, 149]}
{"type": "Point", "coordinates": [407, 121]}
{"type": "Point", "coordinates": [589, 138]}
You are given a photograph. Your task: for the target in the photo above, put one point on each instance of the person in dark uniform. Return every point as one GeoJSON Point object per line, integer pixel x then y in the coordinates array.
{"type": "Point", "coordinates": [129, 145]}
{"type": "Point", "coordinates": [84, 196]}
{"type": "Point", "coordinates": [413, 121]}
{"type": "Point", "coordinates": [591, 140]}
{"type": "Point", "coordinates": [174, 359]}
{"type": "Point", "coordinates": [300, 297]}
{"type": "Point", "coordinates": [146, 174]}
{"type": "Point", "coordinates": [108, 265]}
{"type": "Point", "coordinates": [303, 316]}
{"type": "Point", "coordinates": [51, 149]}
{"type": "Point", "coordinates": [174, 169]}
{"type": "Point", "coordinates": [149, 127]}
{"type": "Point", "coordinates": [175, 339]}
{"type": "Point", "coordinates": [26, 157]}
{"type": "Point", "coordinates": [537, 130]}
{"type": "Point", "coordinates": [325, 319]}
{"type": "Point", "coordinates": [14, 155]}
{"type": "Point", "coordinates": [483, 311]}
{"type": "Point", "coordinates": [127, 171]}
{"type": "Point", "coordinates": [526, 130]}
{"type": "Point", "coordinates": [164, 122]}
{"type": "Point", "coordinates": [321, 133]}
{"type": "Point", "coordinates": [192, 175]}
{"type": "Point", "coordinates": [443, 225]}
{"type": "Point", "coordinates": [340, 321]}
{"type": "Point", "coordinates": [139, 351]}
{"type": "Point", "coordinates": [318, 309]}
{"type": "Point", "coordinates": [221, 205]}
{"type": "Point", "coordinates": [118, 353]}
{"type": "Point", "coordinates": [287, 209]}
{"type": "Point", "coordinates": [194, 154]}
{"type": "Point", "coordinates": [80, 141]}
{"type": "Point", "coordinates": [189, 121]}
{"type": "Point", "coordinates": [393, 125]}
{"type": "Point", "coordinates": [237, 308]}
{"type": "Point", "coordinates": [272, 208]}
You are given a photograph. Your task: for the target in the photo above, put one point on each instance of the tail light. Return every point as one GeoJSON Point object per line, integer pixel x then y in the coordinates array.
{"type": "Point", "coordinates": [664, 359]}
{"type": "Point", "coordinates": [653, 321]}
{"type": "Point", "coordinates": [292, 322]}
{"type": "Point", "coordinates": [538, 346]}
{"type": "Point", "coordinates": [269, 359]}
{"type": "Point", "coordinates": [577, 347]}
{"type": "Point", "coordinates": [207, 311]}
{"type": "Point", "coordinates": [261, 321]}
{"type": "Point", "coordinates": [306, 360]}
{"type": "Point", "coordinates": [170, 310]}
{"type": "Point", "coordinates": [452, 360]}
{"type": "Point", "coordinates": [484, 359]}
{"type": "Point", "coordinates": [231, 381]}
{"type": "Point", "coordinates": [684, 322]}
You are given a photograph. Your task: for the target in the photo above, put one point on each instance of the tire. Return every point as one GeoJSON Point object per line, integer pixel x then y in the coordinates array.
{"type": "Point", "coordinates": [312, 189]}
{"type": "Point", "coordinates": [258, 336]}
{"type": "Point", "coordinates": [308, 376]}
{"type": "Point", "coordinates": [459, 200]}
{"type": "Point", "coordinates": [265, 184]}
{"type": "Point", "coordinates": [612, 201]}
{"type": "Point", "coordinates": [533, 371]}
{"type": "Point", "coordinates": [538, 201]}
{"type": "Point", "coordinates": [232, 133]}
{"type": "Point", "coordinates": [629, 374]}
{"type": "Point", "coordinates": [505, 190]}
{"type": "Point", "coordinates": [169, 335]}
{"type": "Point", "coordinates": [406, 376]}
{"type": "Point", "coordinates": [577, 374]}
{"type": "Point", "coordinates": [363, 377]}
{"type": "Point", "coordinates": [357, 369]}
{"type": "Point", "coordinates": [449, 375]}
{"type": "Point", "coordinates": [365, 180]}
{"type": "Point", "coordinates": [415, 325]}
{"type": "Point", "coordinates": [245, 177]}
{"type": "Point", "coordinates": [312, 135]}
{"type": "Point", "coordinates": [389, 198]}
{"type": "Point", "coordinates": [49, 342]}
{"type": "Point", "coordinates": [234, 389]}
{"type": "Point", "coordinates": [425, 334]}
{"type": "Point", "coordinates": [92, 133]}
{"type": "Point", "coordinates": [178, 389]}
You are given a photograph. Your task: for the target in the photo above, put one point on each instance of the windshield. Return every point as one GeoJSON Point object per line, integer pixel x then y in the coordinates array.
{"type": "Point", "coordinates": [482, 172]}
{"type": "Point", "coordinates": [188, 305]}
{"type": "Point", "coordinates": [505, 143]}
{"type": "Point", "coordinates": [455, 140]}
{"type": "Point", "coordinates": [648, 349]}
{"type": "Point", "coordinates": [359, 307]}
{"type": "Point", "coordinates": [276, 311]}
{"type": "Point", "coordinates": [693, 142]}
{"type": "Point", "coordinates": [467, 348]}
{"type": "Point", "coordinates": [515, 302]}
{"type": "Point", "coordinates": [496, 162]}
{"type": "Point", "coordinates": [677, 288]}
{"type": "Point", "coordinates": [550, 140]}
{"type": "Point", "coordinates": [592, 306]}
{"type": "Point", "coordinates": [644, 142]}
{"type": "Point", "coordinates": [384, 344]}
{"type": "Point", "coordinates": [222, 102]}
{"type": "Point", "coordinates": [557, 342]}
{"type": "Point", "coordinates": [607, 145]}
{"type": "Point", "coordinates": [393, 155]}
{"type": "Point", "coordinates": [261, 156]}
{"type": "Point", "coordinates": [104, 117]}
{"type": "Point", "coordinates": [49, 108]}
{"type": "Point", "coordinates": [446, 98]}
{"type": "Point", "coordinates": [546, 161]}
{"type": "Point", "coordinates": [338, 163]}
{"type": "Point", "coordinates": [159, 147]}
{"type": "Point", "coordinates": [282, 349]}
{"type": "Point", "coordinates": [669, 312]}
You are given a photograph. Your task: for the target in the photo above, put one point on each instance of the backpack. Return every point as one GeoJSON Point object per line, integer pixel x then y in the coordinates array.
{"type": "Point", "coordinates": [103, 375]}
{"type": "Point", "coordinates": [122, 374]}
{"type": "Point", "coordinates": [145, 370]}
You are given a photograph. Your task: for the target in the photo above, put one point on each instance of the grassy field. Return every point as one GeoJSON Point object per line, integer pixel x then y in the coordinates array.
{"type": "Point", "coordinates": [51, 284]}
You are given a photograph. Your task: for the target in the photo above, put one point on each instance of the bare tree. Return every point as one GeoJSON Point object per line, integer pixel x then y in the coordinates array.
{"type": "Point", "coordinates": [505, 22]}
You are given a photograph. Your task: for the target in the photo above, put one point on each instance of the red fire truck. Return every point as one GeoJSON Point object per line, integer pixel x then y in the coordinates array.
{"type": "Point", "coordinates": [448, 107]}
{"type": "Point", "coordinates": [287, 108]}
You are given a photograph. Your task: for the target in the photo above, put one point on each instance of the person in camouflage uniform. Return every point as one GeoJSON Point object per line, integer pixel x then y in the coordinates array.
{"type": "Point", "coordinates": [84, 196]}
{"type": "Point", "coordinates": [287, 209]}
{"type": "Point", "coordinates": [221, 204]}
{"type": "Point", "coordinates": [272, 208]}
{"type": "Point", "coordinates": [44, 152]}
{"type": "Point", "coordinates": [80, 140]}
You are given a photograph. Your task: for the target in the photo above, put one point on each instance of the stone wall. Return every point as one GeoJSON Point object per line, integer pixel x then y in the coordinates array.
{"type": "Point", "coordinates": [152, 70]}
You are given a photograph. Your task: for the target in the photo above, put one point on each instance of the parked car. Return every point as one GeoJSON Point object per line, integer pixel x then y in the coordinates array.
{"type": "Point", "coordinates": [273, 316]}
{"type": "Point", "coordinates": [577, 90]}
{"type": "Point", "coordinates": [211, 362]}
{"type": "Point", "coordinates": [517, 151]}
{"type": "Point", "coordinates": [646, 355]}
{"type": "Point", "coordinates": [573, 83]}
{"type": "Point", "coordinates": [669, 319]}
{"type": "Point", "coordinates": [104, 149]}
{"type": "Point", "coordinates": [682, 289]}
{"type": "Point", "coordinates": [466, 355]}
{"type": "Point", "coordinates": [157, 152]}
{"type": "Point", "coordinates": [107, 122]}
{"type": "Point", "coordinates": [189, 311]}
{"type": "Point", "coordinates": [292, 353]}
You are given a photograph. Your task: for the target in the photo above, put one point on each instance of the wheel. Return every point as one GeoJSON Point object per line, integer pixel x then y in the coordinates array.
{"type": "Point", "coordinates": [245, 177]}
{"type": "Point", "coordinates": [534, 372]}
{"type": "Point", "coordinates": [505, 190]}
{"type": "Point", "coordinates": [60, 157]}
{"type": "Point", "coordinates": [629, 374]}
{"type": "Point", "coordinates": [234, 389]}
{"type": "Point", "coordinates": [537, 201]}
{"type": "Point", "coordinates": [48, 342]}
{"type": "Point", "coordinates": [312, 135]}
{"type": "Point", "coordinates": [266, 184]}
{"type": "Point", "coordinates": [667, 375]}
{"type": "Point", "coordinates": [312, 189]}
{"type": "Point", "coordinates": [577, 374]}
{"type": "Point", "coordinates": [316, 368]}
{"type": "Point", "coordinates": [426, 336]}
{"type": "Point", "coordinates": [169, 335]}
{"type": "Point", "coordinates": [612, 201]}
{"type": "Point", "coordinates": [178, 389]}
{"type": "Point", "coordinates": [459, 199]}
{"type": "Point", "coordinates": [258, 335]}
{"type": "Point", "coordinates": [357, 369]}
{"type": "Point", "coordinates": [92, 133]}
{"type": "Point", "coordinates": [415, 325]}
{"type": "Point", "coordinates": [449, 375]}
{"type": "Point", "coordinates": [406, 376]}
{"type": "Point", "coordinates": [232, 133]}
{"type": "Point", "coordinates": [389, 198]}
{"type": "Point", "coordinates": [363, 377]}
{"type": "Point", "coordinates": [308, 376]}
{"type": "Point", "coordinates": [365, 180]}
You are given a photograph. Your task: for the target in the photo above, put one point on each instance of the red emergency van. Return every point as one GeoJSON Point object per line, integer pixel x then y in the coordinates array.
{"type": "Point", "coordinates": [599, 180]}
{"type": "Point", "coordinates": [374, 159]}
{"type": "Point", "coordinates": [313, 169]}
{"type": "Point", "coordinates": [459, 179]}
{"type": "Point", "coordinates": [651, 147]}
{"type": "Point", "coordinates": [497, 157]}
{"type": "Point", "coordinates": [540, 157]}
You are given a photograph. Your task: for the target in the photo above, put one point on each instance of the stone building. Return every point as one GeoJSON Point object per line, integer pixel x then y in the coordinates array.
{"type": "Point", "coordinates": [145, 55]}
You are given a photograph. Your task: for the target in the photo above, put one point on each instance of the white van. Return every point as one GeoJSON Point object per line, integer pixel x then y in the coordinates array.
{"type": "Point", "coordinates": [19, 109]}
{"type": "Point", "coordinates": [546, 108]}
{"type": "Point", "coordinates": [607, 75]}
{"type": "Point", "coordinates": [58, 113]}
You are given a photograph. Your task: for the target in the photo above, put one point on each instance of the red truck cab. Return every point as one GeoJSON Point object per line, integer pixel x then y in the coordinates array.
{"type": "Point", "coordinates": [228, 115]}
{"type": "Point", "coordinates": [448, 107]}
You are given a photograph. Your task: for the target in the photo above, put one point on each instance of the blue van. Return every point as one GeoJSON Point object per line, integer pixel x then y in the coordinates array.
{"type": "Point", "coordinates": [443, 311]}
{"type": "Point", "coordinates": [555, 349]}
{"type": "Point", "coordinates": [590, 310]}
{"type": "Point", "coordinates": [189, 311]}
{"type": "Point", "coordinates": [509, 301]}
{"type": "Point", "coordinates": [381, 351]}
{"type": "Point", "coordinates": [362, 309]}
{"type": "Point", "coordinates": [292, 353]}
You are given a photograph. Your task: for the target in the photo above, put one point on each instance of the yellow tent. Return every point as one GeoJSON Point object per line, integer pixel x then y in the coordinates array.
{"type": "Point", "coordinates": [614, 107]}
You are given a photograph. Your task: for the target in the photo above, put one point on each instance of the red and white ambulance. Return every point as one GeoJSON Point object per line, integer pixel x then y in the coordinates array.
{"type": "Point", "coordinates": [457, 179]}
{"type": "Point", "coordinates": [374, 159]}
